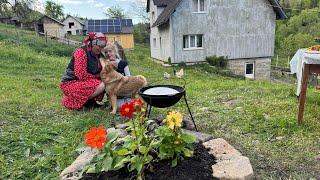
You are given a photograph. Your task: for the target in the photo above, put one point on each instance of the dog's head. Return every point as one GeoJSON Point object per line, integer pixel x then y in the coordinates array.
{"type": "Point", "coordinates": [109, 67]}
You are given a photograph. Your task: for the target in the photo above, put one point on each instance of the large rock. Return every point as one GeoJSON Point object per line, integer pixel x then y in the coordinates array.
{"type": "Point", "coordinates": [201, 137]}
{"type": "Point", "coordinates": [122, 126]}
{"type": "Point", "coordinates": [73, 171]}
{"type": "Point", "coordinates": [188, 124]}
{"type": "Point", "coordinates": [237, 168]}
{"type": "Point", "coordinates": [221, 149]}
{"type": "Point", "coordinates": [231, 165]}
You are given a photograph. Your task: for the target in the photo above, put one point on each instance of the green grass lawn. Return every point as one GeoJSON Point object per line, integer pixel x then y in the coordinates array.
{"type": "Point", "coordinates": [38, 137]}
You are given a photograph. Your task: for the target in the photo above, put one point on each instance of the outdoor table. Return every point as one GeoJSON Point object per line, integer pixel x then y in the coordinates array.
{"type": "Point", "coordinates": [303, 64]}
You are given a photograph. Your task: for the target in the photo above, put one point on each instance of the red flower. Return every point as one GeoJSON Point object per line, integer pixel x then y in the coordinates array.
{"type": "Point", "coordinates": [127, 110]}
{"type": "Point", "coordinates": [137, 104]}
{"type": "Point", "coordinates": [96, 137]}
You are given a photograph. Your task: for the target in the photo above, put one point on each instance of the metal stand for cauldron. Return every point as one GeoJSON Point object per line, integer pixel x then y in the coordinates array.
{"type": "Point", "coordinates": [163, 98]}
{"type": "Point", "coordinates": [149, 107]}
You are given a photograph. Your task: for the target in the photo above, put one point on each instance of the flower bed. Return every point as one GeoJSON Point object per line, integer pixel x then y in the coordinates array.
{"type": "Point", "coordinates": [143, 146]}
{"type": "Point", "coordinates": [146, 149]}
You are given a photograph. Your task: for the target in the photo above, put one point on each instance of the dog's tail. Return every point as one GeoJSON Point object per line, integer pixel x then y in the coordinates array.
{"type": "Point", "coordinates": [143, 79]}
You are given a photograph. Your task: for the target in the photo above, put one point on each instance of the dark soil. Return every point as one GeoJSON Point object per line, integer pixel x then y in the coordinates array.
{"type": "Point", "coordinates": [194, 168]}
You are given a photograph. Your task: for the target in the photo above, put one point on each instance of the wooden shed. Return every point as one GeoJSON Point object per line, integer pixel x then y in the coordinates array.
{"type": "Point", "coordinates": [120, 30]}
{"type": "Point", "coordinates": [51, 26]}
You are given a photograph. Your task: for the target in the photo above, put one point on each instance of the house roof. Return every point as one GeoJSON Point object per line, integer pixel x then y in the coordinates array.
{"type": "Point", "coordinates": [53, 19]}
{"type": "Point", "coordinates": [82, 22]}
{"type": "Point", "coordinates": [110, 26]}
{"type": "Point", "coordinates": [171, 5]}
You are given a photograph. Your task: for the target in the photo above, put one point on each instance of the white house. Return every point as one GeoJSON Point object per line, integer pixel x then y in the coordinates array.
{"type": "Point", "coordinates": [191, 30]}
{"type": "Point", "coordinates": [74, 26]}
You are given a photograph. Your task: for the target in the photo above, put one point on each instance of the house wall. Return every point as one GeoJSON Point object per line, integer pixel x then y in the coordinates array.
{"type": "Point", "coordinates": [262, 67]}
{"type": "Point", "coordinates": [238, 29]}
{"type": "Point", "coordinates": [161, 49]}
{"type": "Point", "coordinates": [52, 28]}
{"type": "Point", "coordinates": [125, 40]}
{"type": "Point", "coordinates": [77, 26]}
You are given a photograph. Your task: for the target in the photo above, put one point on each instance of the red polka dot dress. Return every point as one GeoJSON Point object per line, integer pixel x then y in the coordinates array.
{"type": "Point", "coordinates": [76, 92]}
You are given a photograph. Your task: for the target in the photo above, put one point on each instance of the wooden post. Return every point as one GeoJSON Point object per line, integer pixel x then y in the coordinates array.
{"type": "Point", "coordinates": [303, 92]}
{"type": "Point", "coordinates": [277, 61]}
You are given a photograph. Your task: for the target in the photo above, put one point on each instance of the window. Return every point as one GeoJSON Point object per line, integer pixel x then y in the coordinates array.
{"type": "Point", "coordinates": [192, 41]}
{"type": "Point", "coordinates": [198, 5]}
{"type": "Point", "coordinates": [152, 17]}
{"type": "Point", "coordinates": [71, 24]}
{"type": "Point", "coordinates": [249, 70]}
{"type": "Point", "coordinates": [154, 42]}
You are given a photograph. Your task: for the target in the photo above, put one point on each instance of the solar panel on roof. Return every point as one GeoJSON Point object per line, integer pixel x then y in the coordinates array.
{"type": "Point", "coordinates": [97, 22]}
{"type": "Point", "coordinates": [117, 22]}
{"type": "Point", "coordinates": [129, 22]}
{"type": "Point", "coordinates": [90, 22]}
{"type": "Point", "coordinates": [117, 29]}
{"type": "Point", "coordinates": [104, 22]}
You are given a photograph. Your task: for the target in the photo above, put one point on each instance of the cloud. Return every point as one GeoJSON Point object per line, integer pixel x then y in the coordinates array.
{"type": "Point", "coordinates": [75, 2]}
{"type": "Point", "coordinates": [99, 5]}
{"type": "Point", "coordinates": [91, 1]}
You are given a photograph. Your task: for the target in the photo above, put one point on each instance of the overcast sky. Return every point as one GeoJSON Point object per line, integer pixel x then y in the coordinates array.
{"type": "Point", "coordinates": [91, 8]}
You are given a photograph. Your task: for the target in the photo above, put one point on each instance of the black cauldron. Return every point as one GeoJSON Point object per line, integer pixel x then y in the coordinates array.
{"type": "Point", "coordinates": [162, 96]}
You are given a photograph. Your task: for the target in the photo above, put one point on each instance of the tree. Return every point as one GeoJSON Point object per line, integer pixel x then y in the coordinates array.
{"type": "Point", "coordinates": [139, 9]}
{"type": "Point", "coordinates": [18, 8]}
{"type": "Point", "coordinates": [54, 10]}
{"type": "Point", "coordinates": [115, 12]}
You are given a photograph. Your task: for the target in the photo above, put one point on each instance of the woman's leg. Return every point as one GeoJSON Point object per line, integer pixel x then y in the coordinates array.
{"type": "Point", "coordinates": [101, 87]}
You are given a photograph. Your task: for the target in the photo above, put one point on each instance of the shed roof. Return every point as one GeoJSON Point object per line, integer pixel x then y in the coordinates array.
{"type": "Point", "coordinates": [53, 19]}
{"type": "Point", "coordinates": [171, 5]}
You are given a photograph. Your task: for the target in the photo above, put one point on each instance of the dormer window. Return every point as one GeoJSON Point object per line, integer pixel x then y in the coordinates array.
{"type": "Point", "coordinates": [198, 5]}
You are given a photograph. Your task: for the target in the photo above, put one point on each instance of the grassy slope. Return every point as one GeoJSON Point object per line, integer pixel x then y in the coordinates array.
{"type": "Point", "coordinates": [38, 136]}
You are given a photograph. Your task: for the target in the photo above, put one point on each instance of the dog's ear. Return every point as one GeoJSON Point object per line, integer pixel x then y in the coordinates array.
{"type": "Point", "coordinates": [108, 66]}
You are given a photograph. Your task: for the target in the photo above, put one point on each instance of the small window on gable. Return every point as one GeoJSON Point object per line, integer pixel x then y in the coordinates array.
{"type": "Point", "coordinates": [152, 17]}
{"type": "Point", "coordinates": [198, 5]}
{"type": "Point", "coordinates": [71, 24]}
{"type": "Point", "coordinates": [154, 42]}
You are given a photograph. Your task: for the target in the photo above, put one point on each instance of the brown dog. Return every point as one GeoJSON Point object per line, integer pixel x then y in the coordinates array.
{"type": "Point", "coordinates": [118, 84]}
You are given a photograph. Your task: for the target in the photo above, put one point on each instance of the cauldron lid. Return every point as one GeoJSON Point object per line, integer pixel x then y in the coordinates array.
{"type": "Point", "coordinates": [160, 91]}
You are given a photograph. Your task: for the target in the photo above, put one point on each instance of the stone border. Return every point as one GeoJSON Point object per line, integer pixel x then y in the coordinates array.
{"type": "Point", "coordinates": [230, 163]}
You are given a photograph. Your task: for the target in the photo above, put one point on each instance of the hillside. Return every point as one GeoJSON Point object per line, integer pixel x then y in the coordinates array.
{"type": "Point", "coordinates": [38, 137]}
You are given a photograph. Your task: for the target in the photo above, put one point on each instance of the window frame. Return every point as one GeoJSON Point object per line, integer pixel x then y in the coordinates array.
{"type": "Point", "coordinates": [154, 42]}
{"type": "Point", "coordinates": [249, 76]}
{"type": "Point", "coordinates": [198, 9]}
{"type": "Point", "coordinates": [196, 39]}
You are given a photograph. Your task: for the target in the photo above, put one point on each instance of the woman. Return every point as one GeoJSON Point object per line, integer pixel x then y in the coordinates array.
{"type": "Point", "coordinates": [121, 65]}
{"type": "Point", "coordinates": [81, 83]}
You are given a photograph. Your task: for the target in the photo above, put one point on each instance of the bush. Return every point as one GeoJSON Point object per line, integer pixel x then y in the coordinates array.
{"type": "Point", "coordinates": [220, 61]}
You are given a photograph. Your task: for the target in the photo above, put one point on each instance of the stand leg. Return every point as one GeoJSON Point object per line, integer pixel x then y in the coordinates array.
{"type": "Point", "coordinates": [185, 99]}
{"type": "Point", "coordinates": [302, 97]}
{"type": "Point", "coordinates": [145, 115]}
{"type": "Point", "coordinates": [149, 111]}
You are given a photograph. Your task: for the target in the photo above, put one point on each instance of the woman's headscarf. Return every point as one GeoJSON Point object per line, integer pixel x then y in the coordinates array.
{"type": "Point", "coordinates": [95, 38]}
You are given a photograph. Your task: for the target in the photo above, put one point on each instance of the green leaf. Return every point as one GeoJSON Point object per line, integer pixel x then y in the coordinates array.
{"type": "Point", "coordinates": [107, 163]}
{"type": "Point", "coordinates": [120, 162]}
{"type": "Point", "coordinates": [187, 152]}
{"type": "Point", "coordinates": [112, 135]}
{"type": "Point", "coordinates": [188, 138]}
{"type": "Point", "coordinates": [143, 149]}
{"type": "Point", "coordinates": [91, 169]}
{"type": "Point", "coordinates": [174, 162]}
{"type": "Point", "coordinates": [123, 152]}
